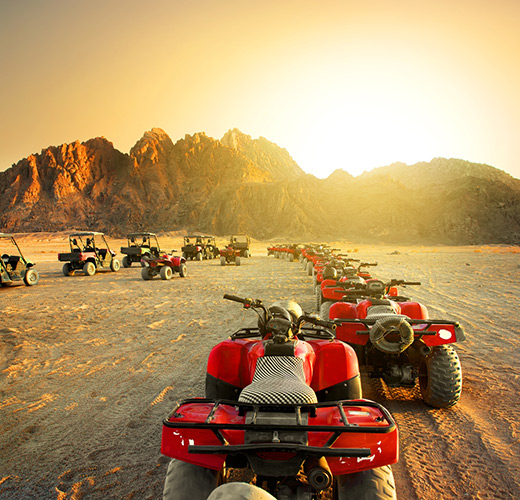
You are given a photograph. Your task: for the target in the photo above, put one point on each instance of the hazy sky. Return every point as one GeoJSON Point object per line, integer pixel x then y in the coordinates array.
{"type": "Point", "coordinates": [339, 84]}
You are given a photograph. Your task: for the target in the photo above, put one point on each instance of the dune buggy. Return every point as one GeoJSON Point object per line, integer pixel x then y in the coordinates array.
{"type": "Point", "coordinates": [14, 267]}
{"type": "Point", "coordinates": [89, 252]}
{"type": "Point", "coordinates": [242, 243]}
{"type": "Point", "coordinates": [195, 247]}
{"type": "Point", "coordinates": [140, 245]}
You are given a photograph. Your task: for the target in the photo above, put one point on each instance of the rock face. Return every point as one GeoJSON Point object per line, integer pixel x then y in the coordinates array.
{"type": "Point", "coordinates": [238, 184]}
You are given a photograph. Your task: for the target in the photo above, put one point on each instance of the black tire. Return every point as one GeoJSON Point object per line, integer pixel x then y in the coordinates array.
{"type": "Point", "coordinates": [291, 257]}
{"type": "Point", "coordinates": [372, 484]}
{"type": "Point", "coordinates": [318, 300]}
{"type": "Point", "coordinates": [183, 270]}
{"type": "Point", "coordinates": [126, 261]}
{"type": "Point", "coordinates": [310, 267]}
{"type": "Point", "coordinates": [146, 273]}
{"type": "Point", "coordinates": [246, 254]}
{"type": "Point", "coordinates": [89, 269]}
{"type": "Point", "coordinates": [166, 273]}
{"type": "Point", "coordinates": [237, 261]}
{"type": "Point", "coordinates": [186, 481]}
{"type": "Point", "coordinates": [222, 261]}
{"type": "Point", "coordinates": [31, 277]}
{"type": "Point", "coordinates": [199, 255]}
{"type": "Point", "coordinates": [67, 269]}
{"type": "Point", "coordinates": [115, 265]}
{"type": "Point", "coordinates": [324, 309]}
{"type": "Point", "coordinates": [440, 377]}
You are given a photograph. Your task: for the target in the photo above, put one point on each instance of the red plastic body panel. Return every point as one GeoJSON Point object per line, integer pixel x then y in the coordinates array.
{"type": "Point", "coordinates": [325, 363]}
{"type": "Point", "coordinates": [384, 447]}
{"type": "Point", "coordinates": [335, 362]}
{"type": "Point", "coordinates": [348, 332]}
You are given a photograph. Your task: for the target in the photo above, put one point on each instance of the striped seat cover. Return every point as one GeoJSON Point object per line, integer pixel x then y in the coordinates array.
{"type": "Point", "coordinates": [278, 380]}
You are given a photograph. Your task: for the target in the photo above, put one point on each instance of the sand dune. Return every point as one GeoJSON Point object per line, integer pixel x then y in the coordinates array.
{"type": "Point", "coordinates": [89, 367]}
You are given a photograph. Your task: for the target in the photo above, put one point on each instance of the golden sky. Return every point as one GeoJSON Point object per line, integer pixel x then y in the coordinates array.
{"type": "Point", "coordinates": [339, 84]}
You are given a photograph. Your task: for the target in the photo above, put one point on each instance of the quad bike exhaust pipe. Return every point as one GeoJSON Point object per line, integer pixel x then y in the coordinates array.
{"type": "Point", "coordinates": [318, 473]}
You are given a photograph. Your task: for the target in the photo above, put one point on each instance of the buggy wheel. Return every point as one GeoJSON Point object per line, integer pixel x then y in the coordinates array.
{"type": "Point", "coordinates": [166, 273]}
{"type": "Point", "coordinates": [31, 277]}
{"type": "Point", "coordinates": [199, 255]}
{"type": "Point", "coordinates": [147, 273]}
{"type": "Point", "coordinates": [372, 484]}
{"type": "Point", "coordinates": [440, 377]}
{"type": "Point", "coordinates": [310, 267]}
{"type": "Point", "coordinates": [185, 481]}
{"type": "Point", "coordinates": [291, 257]}
{"type": "Point", "coordinates": [126, 261]}
{"type": "Point", "coordinates": [237, 261]}
{"type": "Point", "coordinates": [89, 269]}
{"type": "Point", "coordinates": [324, 309]}
{"type": "Point", "coordinates": [246, 254]}
{"type": "Point", "coordinates": [67, 269]}
{"type": "Point", "coordinates": [183, 270]}
{"type": "Point", "coordinates": [115, 265]}
{"type": "Point", "coordinates": [222, 261]}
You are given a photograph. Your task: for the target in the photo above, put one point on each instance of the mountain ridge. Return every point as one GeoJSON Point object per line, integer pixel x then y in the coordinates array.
{"type": "Point", "coordinates": [252, 185]}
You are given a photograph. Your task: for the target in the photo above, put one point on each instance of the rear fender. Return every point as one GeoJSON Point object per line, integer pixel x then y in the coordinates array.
{"type": "Point", "coordinates": [414, 310]}
{"type": "Point", "coordinates": [444, 333]}
{"type": "Point", "coordinates": [336, 362]}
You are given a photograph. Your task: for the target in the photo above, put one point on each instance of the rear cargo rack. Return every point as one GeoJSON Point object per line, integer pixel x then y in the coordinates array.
{"type": "Point", "coordinates": [384, 419]}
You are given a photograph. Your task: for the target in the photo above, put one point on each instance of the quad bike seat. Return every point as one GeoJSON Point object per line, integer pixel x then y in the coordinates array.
{"type": "Point", "coordinates": [278, 380]}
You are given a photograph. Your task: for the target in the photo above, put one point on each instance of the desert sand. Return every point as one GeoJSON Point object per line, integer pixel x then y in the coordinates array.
{"type": "Point", "coordinates": [89, 367]}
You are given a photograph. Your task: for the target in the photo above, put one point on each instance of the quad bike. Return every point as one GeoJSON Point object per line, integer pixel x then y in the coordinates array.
{"type": "Point", "coordinates": [332, 287]}
{"type": "Point", "coordinates": [89, 252]}
{"type": "Point", "coordinates": [229, 255]}
{"type": "Point", "coordinates": [394, 337]}
{"type": "Point", "coordinates": [165, 265]}
{"type": "Point", "coordinates": [283, 406]}
{"type": "Point", "coordinates": [319, 258]}
{"type": "Point", "coordinates": [14, 267]}
{"type": "Point", "coordinates": [140, 245]}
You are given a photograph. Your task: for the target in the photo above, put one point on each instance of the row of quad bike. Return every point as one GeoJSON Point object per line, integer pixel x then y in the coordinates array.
{"type": "Point", "coordinates": [283, 409]}
{"type": "Point", "coordinates": [283, 414]}
{"type": "Point", "coordinates": [89, 252]}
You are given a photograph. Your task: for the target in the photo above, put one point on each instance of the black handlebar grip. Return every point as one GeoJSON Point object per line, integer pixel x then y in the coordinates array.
{"type": "Point", "coordinates": [235, 298]}
{"type": "Point", "coordinates": [411, 282]}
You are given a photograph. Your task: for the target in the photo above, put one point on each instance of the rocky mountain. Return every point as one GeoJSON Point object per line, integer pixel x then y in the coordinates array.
{"type": "Point", "coordinates": [251, 185]}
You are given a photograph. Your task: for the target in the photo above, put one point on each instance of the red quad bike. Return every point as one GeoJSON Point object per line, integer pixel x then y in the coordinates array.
{"type": "Point", "coordinates": [332, 289]}
{"type": "Point", "coordinates": [333, 268]}
{"type": "Point", "coordinates": [229, 255]}
{"type": "Point", "coordinates": [283, 406]}
{"type": "Point", "coordinates": [394, 337]}
{"type": "Point", "coordinates": [165, 265]}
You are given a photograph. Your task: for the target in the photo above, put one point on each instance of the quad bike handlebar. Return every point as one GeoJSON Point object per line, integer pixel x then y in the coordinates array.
{"type": "Point", "coordinates": [270, 324]}
{"type": "Point", "coordinates": [394, 282]}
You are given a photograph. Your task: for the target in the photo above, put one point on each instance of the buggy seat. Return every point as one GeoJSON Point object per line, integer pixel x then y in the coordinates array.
{"type": "Point", "coordinates": [278, 380]}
